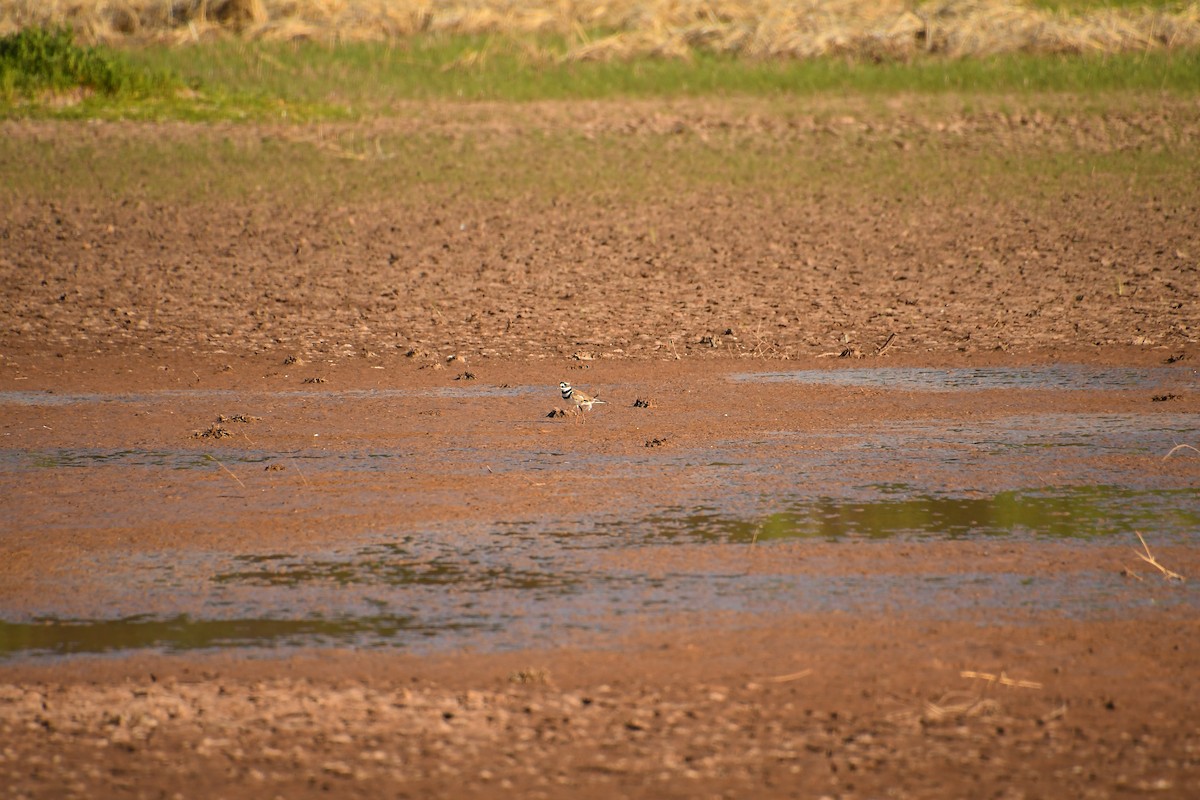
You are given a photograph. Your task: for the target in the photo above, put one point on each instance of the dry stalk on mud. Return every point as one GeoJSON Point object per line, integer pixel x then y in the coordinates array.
{"type": "Point", "coordinates": [964, 703]}
{"type": "Point", "coordinates": [300, 472]}
{"type": "Point", "coordinates": [873, 29]}
{"type": "Point", "coordinates": [1149, 558]}
{"type": "Point", "coordinates": [1177, 448]}
{"type": "Point", "coordinates": [227, 470]}
{"type": "Point", "coordinates": [959, 704]}
{"type": "Point", "coordinates": [1000, 680]}
{"type": "Point", "coordinates": [791, 676]}
{"type": "Point", "coordinates": [951, 704]}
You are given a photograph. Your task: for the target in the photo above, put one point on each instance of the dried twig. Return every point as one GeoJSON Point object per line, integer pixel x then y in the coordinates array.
{"type": "Point", "coordinates": [1057, 713]}
{"type": "Point", "coordinates": [963, 704]}
{"type": "Point", "coordinates": [1179, 447]}
{"type": "Point", "coordinates": [1149, 558]}
{"type": "Point", "coordinates": [1001, 679]}
{"type": "Point", "coordinates": [791, 676]}
{"type": "Point", "coordinates": [227, 469]}
{"type": "Point", "coordinates": [299, 471]}
{"type": "Point", "coordinates": [1128, 573]}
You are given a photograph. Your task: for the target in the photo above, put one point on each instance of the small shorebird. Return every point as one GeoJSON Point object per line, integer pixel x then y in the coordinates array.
{"type": "Point", "coordinates": [580, 399]}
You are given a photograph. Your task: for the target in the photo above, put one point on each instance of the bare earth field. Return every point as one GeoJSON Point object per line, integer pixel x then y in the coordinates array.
{"type": "Point", "coordinates": [286, 513]}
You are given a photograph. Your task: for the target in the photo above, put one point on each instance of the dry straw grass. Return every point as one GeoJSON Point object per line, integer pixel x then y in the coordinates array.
{"type": "Point", "coordinates": [963, 704]}
{"type": "Point", "coordinates": [884, 29]}
{"type": "Point", "coordinates": [1149, 558]}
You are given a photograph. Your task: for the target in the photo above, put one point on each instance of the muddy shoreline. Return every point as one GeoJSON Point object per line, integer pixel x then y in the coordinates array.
{"type": "Point", "coordinates": [286, 513]}
{"type": "Point", "coordinates": [849, 665]}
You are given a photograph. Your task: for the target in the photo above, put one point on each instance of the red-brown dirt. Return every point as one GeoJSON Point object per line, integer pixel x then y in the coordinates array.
{"type": "Point", "coordinates": [333, 339]}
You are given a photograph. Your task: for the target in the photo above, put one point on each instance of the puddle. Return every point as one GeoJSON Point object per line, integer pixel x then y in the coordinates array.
{"type": "Point", "coordinates": [1076, 512]}
{"type": "Point", "coordinates": [84, 458]}
{"type": "Point", "coordinates": [532, 582]}
{"type": "Point", "coordinates": [64, 637]}
{"type": "Point", "coordinates": [1063, 376]}
{"type": "Point", "coordinates": [466, 391]}
{"type": "Point", "coordinates": [1096, 434]}
{"type": "Point", "coordinates": [1068, 377]}
{"type": "Point", "coordinates": [947, 441]}
{"type": "Point", "coordinates": [392, 565]}
{"type": "Point", "coordinates": [950, 456]}
{"type": "Point", "coordinates": [391, 581]}
{"type": "Point", "coordinates": [614, 602]}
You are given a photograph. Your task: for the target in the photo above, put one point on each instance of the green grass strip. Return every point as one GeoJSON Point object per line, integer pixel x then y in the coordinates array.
{"type": "Point", "coordinates": [366, 78]}
{"type": "Point", "coordinates": [42, 73]}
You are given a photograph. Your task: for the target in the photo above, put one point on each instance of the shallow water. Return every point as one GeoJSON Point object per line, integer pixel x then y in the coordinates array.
{"type": "Point", "coordinates": [1076, 512]}
{"type": "Point", "coordinates": [536, 580]}
{"type": "Point", "coordinates": [466, 390]}
{"type": "Point", "coordinates": [531, 582]}
{"type": "Point", "coordinates": [1041, 440]}
{"type": "Point", "coordinates": [1063, 377]}
{"type": "Point", "coordinates": [310, 611]}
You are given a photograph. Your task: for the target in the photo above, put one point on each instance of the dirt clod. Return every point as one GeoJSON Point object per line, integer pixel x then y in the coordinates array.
{"type": "Point", "coordinates": [214, 431]}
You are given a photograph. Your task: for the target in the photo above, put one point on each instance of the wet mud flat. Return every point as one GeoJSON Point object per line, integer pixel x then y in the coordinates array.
{"type": "Point", "coordinates": [840, 581]}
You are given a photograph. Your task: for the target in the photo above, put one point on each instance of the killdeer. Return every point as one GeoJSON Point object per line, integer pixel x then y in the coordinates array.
{"type": "Point", "coordinates": [580, 399]}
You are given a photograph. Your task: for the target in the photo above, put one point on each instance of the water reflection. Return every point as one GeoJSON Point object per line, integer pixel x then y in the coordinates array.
{"type": "Point", "coordinates": [49, 636]}
{"type": "Point", "coordinates": [1062, 376]}
{"type": "Point", "coordinates": [1076, 512]}
{"type": "Point", "coordinates": [391, 565]}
